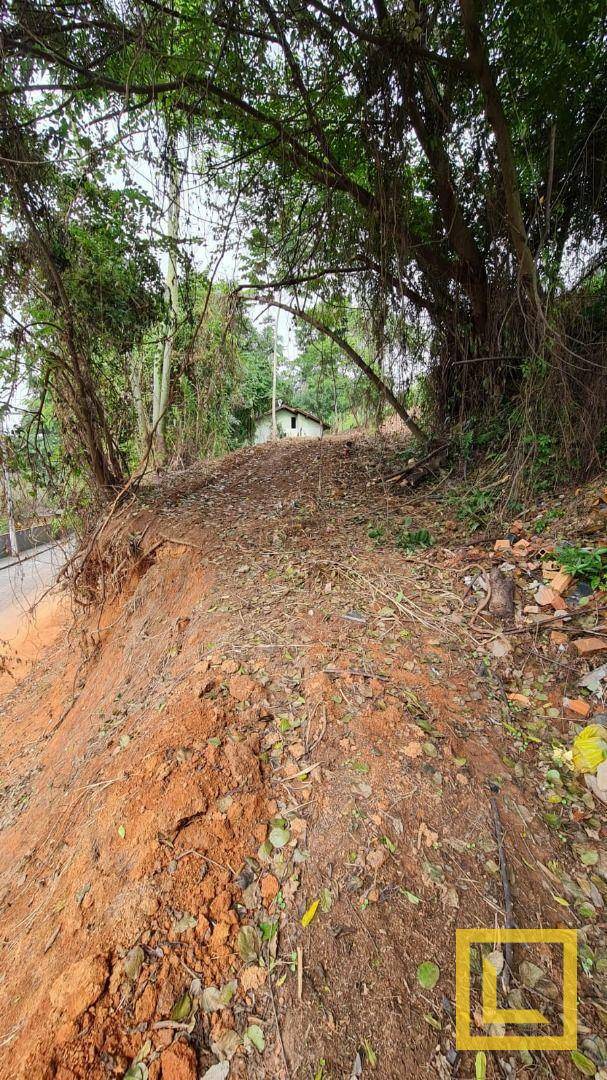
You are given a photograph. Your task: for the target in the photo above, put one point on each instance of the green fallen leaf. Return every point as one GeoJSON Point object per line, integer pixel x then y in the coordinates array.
{"type": "Point", "coordinates": [480, 1065]}
{"type": "Point", "coordinates": [370, 1054]}
{"type": "Point", "coordinates": [279, 837]}
{"type": "Point", "coordinates": [145, 1049]}
{"type": "Point", "coordinates": [326, 900]}
{"type": "Point", "coordinates": [411, 897]}
{"type": "Point", "coordinates": [213, 999]}
{"type": "Point", "coordinates": [247, 943]}
{"type": "Point", "coordinates": [186, 922]}
{"type": "Point", "coordinates": [256, 1037]}
{"type": "Point", "coordinates": [121, 832]}
{"type": "Point", "coordinates": [590, 857]}
{"type": "Point", "coordinates": [132, 963]}
{"type": "Point", "coordinates": [428, 974]}
{"type": "Point", "coordinates": [583, 1063]}
{"type": "Point", "coordinates": [264, 852]}
{"type": "Point", "coordinates": [387, 842]}
{"type": "Point", "coordinates": [182, 1008]}
{"type": "Point", "coordinates": [138, 1071]}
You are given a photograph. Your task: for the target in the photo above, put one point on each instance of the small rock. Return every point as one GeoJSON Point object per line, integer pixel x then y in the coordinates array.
{"type": "Point", "coordinates": [561, 582]}
{"type": "Point", "coordinates": [145, 1004]}
{"type": "Point", "coordinates": [79, 986]}
{"type": "Point", "coordinates": [377, 858]}
{"type": "Point", "coordinates": [179, 1062]}
{"type": "Point", "coordinates": [269, 888]}
{"type": "Point", "coordinates": [519, 699]}
{"type": "Point", "coordinates": [252, 977]}
{"type": "Point", "coordinates": [413, 750]}
{"type": "Point", "coordinates": [547, 597]}
{"type": "Point", "coordinates": [230, 667]}
{"type": "Point", "coordinates": [242, 688]}
{"type": "Point", "coordinates": [587, 645]}
{"type": "Point", "coordinates": [577, 706]}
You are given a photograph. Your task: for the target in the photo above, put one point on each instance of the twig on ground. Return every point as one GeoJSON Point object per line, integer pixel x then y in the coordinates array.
{"type": "Point", "coordinates": [499, 836]}
{"type": "Point", "coordinates": [481, 607]}
{"type": "Point", "coordinates": [320, 736]}
{"type": "Point", "coordinates": [176, 1025]}
{"type": "Point", "coordinates": [179, 543]}
{"type": "Point", "coordinates": [278, 1031]}
{"type": "Point", "coordinates": [355, 671]}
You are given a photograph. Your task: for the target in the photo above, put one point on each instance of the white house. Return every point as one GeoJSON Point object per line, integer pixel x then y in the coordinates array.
{"type": "Point", "coordinates": [289, 423]}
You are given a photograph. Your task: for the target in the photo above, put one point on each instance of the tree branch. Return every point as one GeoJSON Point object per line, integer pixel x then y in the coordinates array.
{"type": "Point", "coordinates": [354, 356]}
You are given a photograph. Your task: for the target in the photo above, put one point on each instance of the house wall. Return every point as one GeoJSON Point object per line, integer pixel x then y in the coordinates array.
{"type": "Point", "coordinates": [304, 427]}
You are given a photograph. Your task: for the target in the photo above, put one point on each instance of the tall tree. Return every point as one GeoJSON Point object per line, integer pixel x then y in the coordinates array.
{"type": "Point", "coordinates": [162, 367]}
{"type": "Point", "coordinates": [79, 286]}
{"type": "Point", "coordinates": [445, 156]}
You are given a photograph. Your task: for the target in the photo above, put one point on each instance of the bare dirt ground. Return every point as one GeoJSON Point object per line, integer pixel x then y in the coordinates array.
{"type": "Point", "coordinates": [248, 795]}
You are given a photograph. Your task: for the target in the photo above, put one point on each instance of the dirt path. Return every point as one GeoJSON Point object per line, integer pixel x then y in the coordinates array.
{"type": "Point", "coordinates": [277, 721]}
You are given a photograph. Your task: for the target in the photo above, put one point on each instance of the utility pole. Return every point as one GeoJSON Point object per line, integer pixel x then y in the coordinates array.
{"type": "Point", "coordinates": [274, 371]}
{"type": "Point", "coordinates": [13, 543]}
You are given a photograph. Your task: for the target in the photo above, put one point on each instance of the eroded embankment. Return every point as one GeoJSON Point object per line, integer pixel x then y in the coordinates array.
{"type": "Point", "coordinates": [269, 719]}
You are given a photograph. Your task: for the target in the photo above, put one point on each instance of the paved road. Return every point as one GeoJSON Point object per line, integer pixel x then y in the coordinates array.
{"type": "Point", "coordinates": [22, 583]}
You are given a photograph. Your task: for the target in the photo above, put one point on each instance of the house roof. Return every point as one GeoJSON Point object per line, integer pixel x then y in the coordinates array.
{"type": "Point", "coordinates": [281, 406]}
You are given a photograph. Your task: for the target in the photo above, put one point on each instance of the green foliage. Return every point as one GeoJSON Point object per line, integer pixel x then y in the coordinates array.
{"type": "Point", "coordinates": [546, 465]}
{"type": "Point", "coordinates": [226, 378]}
{"type": "Point", "coordinates": [410, 540]}
{"type": "Point", "coordinates": [377, 533]}
{"type": "Point", "coordinates": [587, 563]}
{"type": "Point", "coordinates": [546, 519]}
{"type": "Point", "coordinates": [475, 508]}
{"type": "Point", "coordinates": [322, 379]}
{"type": "Point", "coordinates": [363, 159]}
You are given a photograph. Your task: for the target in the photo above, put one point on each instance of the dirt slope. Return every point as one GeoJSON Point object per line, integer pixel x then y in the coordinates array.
{"type": "Point", "coordinates": [274, 710]}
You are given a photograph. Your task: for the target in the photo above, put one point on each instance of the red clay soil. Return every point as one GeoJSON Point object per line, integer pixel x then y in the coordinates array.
{"type": "Point", "coordinates": [270, 710]}
{"type": "Point", "coordinates": [23, 637]}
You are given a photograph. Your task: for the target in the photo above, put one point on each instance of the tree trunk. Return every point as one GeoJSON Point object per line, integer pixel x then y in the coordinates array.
{"type": "Point", "coordinates": [135, 371]}
{"type": "Point", "coordinates": [496, 118]}
{"type": "Point", "coordinates": [13, 542]}
{"type": "Point", "coordinates": [162, 369]}
{"type": "Point", "coordinates": [274, 374]}
{"type": "Point", "coordinates": [74, 367]}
